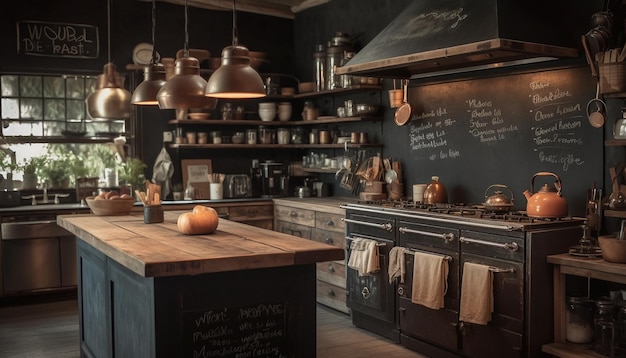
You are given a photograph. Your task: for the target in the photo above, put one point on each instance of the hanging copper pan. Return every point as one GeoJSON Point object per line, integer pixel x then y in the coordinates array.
{"type": "Point", "coordinates": [403, 113]}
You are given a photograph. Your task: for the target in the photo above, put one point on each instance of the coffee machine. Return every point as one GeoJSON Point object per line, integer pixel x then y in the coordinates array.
{"type": "Point", "coordinates": [274, 179]}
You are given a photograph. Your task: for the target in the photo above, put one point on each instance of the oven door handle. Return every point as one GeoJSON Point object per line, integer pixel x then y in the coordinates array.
{"type": "Point", "coordinates": [385, 226]}
{"type": "Point", "coordinates": [447, 237]}
{"type": "Point", "coordinates": [513, 246]}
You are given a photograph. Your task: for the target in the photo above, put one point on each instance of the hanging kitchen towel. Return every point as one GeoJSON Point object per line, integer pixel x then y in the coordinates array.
{"type": "Point", "coordinates": [397, 264]}
{"type": "Point", "coordinates": [162, 172]}
{"type": "Point", "coordinates": [430, 280]}
{"type": "Point", "coordinates": [364, 256]}
{"type": "Point", "coordinates": [476, 294]}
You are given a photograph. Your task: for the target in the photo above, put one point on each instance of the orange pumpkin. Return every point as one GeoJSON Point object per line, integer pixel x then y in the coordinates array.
{"type": "Point", "coordinates": [201, 220]}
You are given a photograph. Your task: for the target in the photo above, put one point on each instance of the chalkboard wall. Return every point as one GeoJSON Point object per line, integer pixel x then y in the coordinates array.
{"type": "Point", "coordinates": [503, 130]}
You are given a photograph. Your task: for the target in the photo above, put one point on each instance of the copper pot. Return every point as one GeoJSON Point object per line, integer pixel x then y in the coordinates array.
{"type": "Point", "coordinates": [547, 202]}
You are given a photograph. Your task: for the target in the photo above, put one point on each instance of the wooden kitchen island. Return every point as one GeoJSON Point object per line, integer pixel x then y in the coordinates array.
{"type": "Point", "coordinates": [146, 290]}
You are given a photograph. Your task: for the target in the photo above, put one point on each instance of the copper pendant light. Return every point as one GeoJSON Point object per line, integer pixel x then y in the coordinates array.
{"type": "Point", "coordinates": [153, 74]}
{"type": "Point", "coordinates": [235, 78]}
{"type": "Point", "coordinates": [185, 89]}
{"type": "Point", "coordinates": [109, 101]}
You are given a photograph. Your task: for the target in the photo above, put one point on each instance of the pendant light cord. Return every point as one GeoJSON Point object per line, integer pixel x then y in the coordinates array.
{"type": "Point", "coordinates": [154, 57]}
{"type": "Point", "coordinates": [109, 30]}
{"type": "Point", "coordinates": [235, 34]}
{"type": "Point", "coordinates": [186, 49]}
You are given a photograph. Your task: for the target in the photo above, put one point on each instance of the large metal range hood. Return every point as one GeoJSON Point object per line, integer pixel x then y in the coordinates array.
{"type": "Point", "coordinates": [448, 36]}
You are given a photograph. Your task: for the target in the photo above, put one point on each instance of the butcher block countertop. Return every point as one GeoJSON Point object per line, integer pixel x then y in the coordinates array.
{"type": "Point", "coordinates": [159, 250]}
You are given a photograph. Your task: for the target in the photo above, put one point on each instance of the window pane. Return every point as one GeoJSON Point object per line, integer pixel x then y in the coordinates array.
{"type": "Point", "coordinates": [75, 109]}
{"type": "Point", "coordinates": [53, 128]}
{"type": "Point", "coordinates": [90, 85]}
{"type": "Point", "coordinates": [75, 87]}
{"type": "Point", "coordinates": [31, 109]}
{"type": "Point", "coordinates": [30, 86]}
{"type": "Point", "coordinates": [53, 87]}
{"type": "Point", "coordinates": [10, 108]}
{"type": "Point", "coordinates": [55, 109]}
{"type": "Point", "coordinates": [23, 129]}
{"type": "Point", "coordinates": [9, 86]}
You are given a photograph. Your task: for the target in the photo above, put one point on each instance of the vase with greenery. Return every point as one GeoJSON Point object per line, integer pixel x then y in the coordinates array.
{"type": "Point", "coordinates": [57, 172]}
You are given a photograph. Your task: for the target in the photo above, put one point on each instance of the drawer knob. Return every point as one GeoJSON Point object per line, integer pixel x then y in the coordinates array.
{"type": "Point", "coordinates": [293, 214]}
{"type": "Point", "coordinates": [330, 223]}
{"type": "Point", "coordinates": [331, 292]}
{"type": "Point", "coordinates": [329, 240]}
{"type": "Point", "coordinates": [331, 268]}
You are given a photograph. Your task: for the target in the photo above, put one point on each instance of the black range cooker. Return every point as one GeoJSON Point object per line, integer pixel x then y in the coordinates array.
{"type": "Point", "coordinates": [513, 245]}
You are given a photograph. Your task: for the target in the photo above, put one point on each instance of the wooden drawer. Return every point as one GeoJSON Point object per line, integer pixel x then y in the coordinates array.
{"type": "Point", "coordinates": [330, 222]}
{"type": "Point", "coordinates": [264, 224]}
{"type": "Point", "coordinates": [333, 272]}
{"type": "Point", "coordinates": [332, 296]}
{"type": "Point", "coordinates": [330, 237]}
{"type": "Point", "coordinates": [243, 213]}
{"type": "Point", "coordinates": [293, 229]}
{"type": "Point", "coordinates": [294, 215]}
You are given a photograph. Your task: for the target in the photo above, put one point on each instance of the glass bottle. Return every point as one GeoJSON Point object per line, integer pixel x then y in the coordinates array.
{"type": "Point", "coordinates": [190, 192]}
{"type": "Point", "coordinates": [319, 71]}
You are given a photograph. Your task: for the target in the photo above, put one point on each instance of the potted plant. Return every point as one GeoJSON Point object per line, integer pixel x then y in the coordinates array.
{"type": "Point", "coordinates": [132, 173]}
{"type": "Point", "coordinates": [177, 191]}
{"type": "Point", "coordinates": [57, 172]}
{"type": "Point", "coordinates": [30, 168]}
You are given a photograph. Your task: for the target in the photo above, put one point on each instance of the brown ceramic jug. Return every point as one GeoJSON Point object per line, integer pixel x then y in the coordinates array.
{"type": "Point", "coordinates": [435, 192]}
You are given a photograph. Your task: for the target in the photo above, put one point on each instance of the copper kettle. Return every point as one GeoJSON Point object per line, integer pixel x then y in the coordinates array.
{"type": "Point", "coordinates": [547, 202]}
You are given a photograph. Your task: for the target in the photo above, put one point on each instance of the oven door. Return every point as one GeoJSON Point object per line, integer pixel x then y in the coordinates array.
{"type": "Point", "coordinates": [437, 327]}
{"type": "Point", "coordinates": [372, 294]}
{"type": "Point", "coordinates": [503, 335]}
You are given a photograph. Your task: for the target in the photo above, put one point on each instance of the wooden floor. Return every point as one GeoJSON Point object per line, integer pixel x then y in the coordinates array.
{"type": "Point", "coordinates": [50, 330]}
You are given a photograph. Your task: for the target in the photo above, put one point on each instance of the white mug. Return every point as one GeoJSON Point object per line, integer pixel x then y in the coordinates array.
{"type": "Point", "coordinates": [216, 191]}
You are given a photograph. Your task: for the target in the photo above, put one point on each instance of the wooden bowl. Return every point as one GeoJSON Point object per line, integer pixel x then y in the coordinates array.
{"type": "Point", "coordinates": [305, 87]}
{"type": "Point", "coordinates": [102, 207]}
{"type": "Point", "coordinates": [613, 250]}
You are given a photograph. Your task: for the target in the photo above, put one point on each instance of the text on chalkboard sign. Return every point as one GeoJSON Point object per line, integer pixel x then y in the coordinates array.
{"type": "Point", "coordinates": [252, 331]}
{"type": "Point", "coordinates": [57, 39]}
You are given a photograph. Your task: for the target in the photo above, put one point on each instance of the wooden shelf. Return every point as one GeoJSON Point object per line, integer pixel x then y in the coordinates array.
{"type": "Point", "coordinates": [273, 146]}
{"type": "Point", "coordinates": [321, 170]}
{"type": "Point", "coordinates": [615, 142]}
{"type": "Point", "coordinates": [253, 122]}
{"type": "Point", "coordinates": [355, 88]}
{"type": "Point", "coordinates": [565, 264]}
{"type": "Point", "coordinates": [615, 213]}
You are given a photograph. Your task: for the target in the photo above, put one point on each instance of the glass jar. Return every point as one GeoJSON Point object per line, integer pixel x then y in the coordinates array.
{"type": "Point", "coordinates": [267, 135]}
{"type": "Point", "coordinates": [227, 111]}
{"type": "Point", "coordinates": [251, 136]}
{"type": "Point", "coordinates": [604, 327]}
{"type": "Point", "coordinates": [216, 137]}
{"type": "Point", "coordinates": [283, 135]}
{"type": "Point", "coordinates": [297, 135]}
{"type": "Point", "coordinates": [580, 320]}
{"type": "Point", "coordinates": [620, 329]}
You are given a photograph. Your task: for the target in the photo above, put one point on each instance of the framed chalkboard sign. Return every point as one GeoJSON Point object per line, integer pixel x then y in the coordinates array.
{"type": "Point", "coordinates": [479, 132]}
{"type": "Point", "coordinates": [57, 39]}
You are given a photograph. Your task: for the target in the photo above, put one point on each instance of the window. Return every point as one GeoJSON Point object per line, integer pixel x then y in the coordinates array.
{"type": "Point", "coordinates": [40, 107]}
